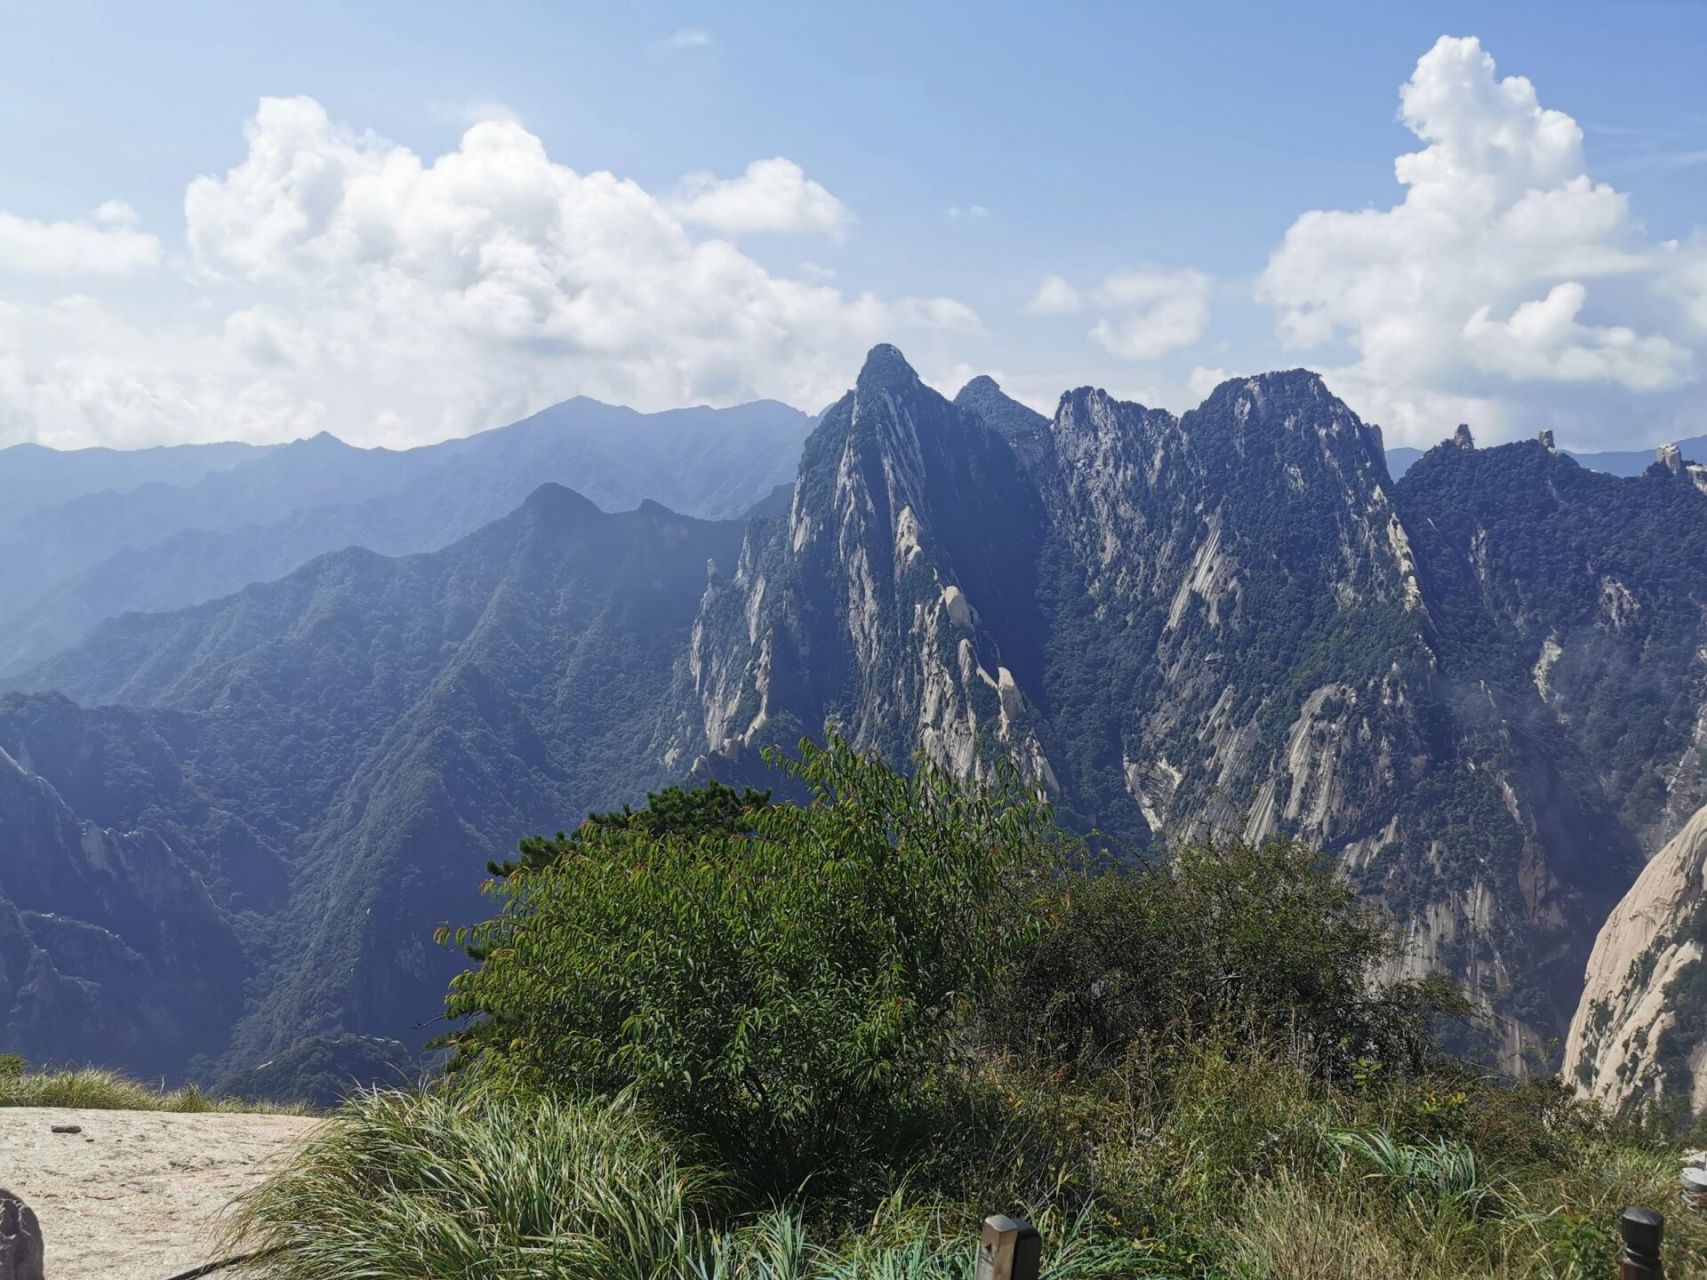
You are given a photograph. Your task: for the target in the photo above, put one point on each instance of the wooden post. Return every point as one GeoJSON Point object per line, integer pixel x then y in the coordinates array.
{"type": "Point", "coordinates": [1010, 1249]}
{"type": "Point", "coordinates": [1642, 1230]}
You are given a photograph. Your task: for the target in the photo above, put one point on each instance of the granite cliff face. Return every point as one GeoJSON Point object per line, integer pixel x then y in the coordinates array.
{"type": "Point", "coordinates": [896, 601]}
{"type": "Point", "coordinates": [1641, 1030]}
{"type": "Point", "coordinates": [1234, 623]}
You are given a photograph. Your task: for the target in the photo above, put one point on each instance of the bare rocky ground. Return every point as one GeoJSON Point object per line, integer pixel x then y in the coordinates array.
{"type": "Point", "coordinates": [136, 1195]}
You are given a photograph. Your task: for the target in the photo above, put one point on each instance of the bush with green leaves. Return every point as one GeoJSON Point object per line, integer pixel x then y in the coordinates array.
{"type": "Point", "coordinates": [1266, 942]}
{"type": "Point", "coordinates": [790, 993]}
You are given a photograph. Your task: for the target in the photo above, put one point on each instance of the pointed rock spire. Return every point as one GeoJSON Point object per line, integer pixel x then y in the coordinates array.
{"type": "Point", "coordinates": [1546, 439]}
{"type": "Point", "coordinates": [886, 369]}
{"type": "Point", "coordinates": [1462, 437]}
{"type": "Point", "coordinates": [1670, 457]}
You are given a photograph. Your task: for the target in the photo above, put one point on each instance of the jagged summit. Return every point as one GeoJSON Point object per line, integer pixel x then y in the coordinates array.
{"type": "Point", "coordinates": [1287, 385]}
{"type": "Point", "coordinates": [1003, 414]}
{"type": "Point", "coordinates": [886, 369]}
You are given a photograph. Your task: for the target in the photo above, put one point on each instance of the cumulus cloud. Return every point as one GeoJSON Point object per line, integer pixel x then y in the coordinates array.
{"type": "Point", "coordinates": [1153, 313]}
{"type": "Point", "coordinates": [772, 195]}
{"type": "Point", "coordinates": [1505, 262]}
{"type": "Point", "coordinates": [1542, 339]}
{"type": "Point", "coordinates": [335, 280]}
{"type": "Point", "coordinates": [1142, 315]}
{"type": "Point", "coordinates": [107, 244]}
{"type": "Point", "coordinates": [1055, 297]}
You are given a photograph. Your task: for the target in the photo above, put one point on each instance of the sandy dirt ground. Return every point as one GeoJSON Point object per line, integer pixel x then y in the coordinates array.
{"type": "Point", "coordinates": [137, 1195]}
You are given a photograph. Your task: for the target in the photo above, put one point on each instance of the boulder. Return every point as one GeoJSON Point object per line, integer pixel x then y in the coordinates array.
{"type": "Point", "coordinates": [20, 1240]}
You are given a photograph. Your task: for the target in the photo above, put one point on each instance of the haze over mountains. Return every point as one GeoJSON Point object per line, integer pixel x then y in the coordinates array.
{"type": "Point", "coordinates": [82, 540]}
{"type": "Point", "coordinates": [1483, 687]}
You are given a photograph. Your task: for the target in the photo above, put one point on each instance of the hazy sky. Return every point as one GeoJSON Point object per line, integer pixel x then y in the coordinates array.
{"type": "Point", "coordinates": [401, 222]}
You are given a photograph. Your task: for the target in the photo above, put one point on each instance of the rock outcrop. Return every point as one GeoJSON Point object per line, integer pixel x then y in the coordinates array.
{"type": "Point", "coordinates": [1640, 1031]}
{"type": "Point", "coordinates": [22, 1256]}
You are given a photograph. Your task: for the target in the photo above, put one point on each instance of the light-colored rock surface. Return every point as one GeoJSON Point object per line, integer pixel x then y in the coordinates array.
{"type": "Point", "coordinates": [137, 1195]}
{"type": "Point", "coordinates": [1609, 1053]}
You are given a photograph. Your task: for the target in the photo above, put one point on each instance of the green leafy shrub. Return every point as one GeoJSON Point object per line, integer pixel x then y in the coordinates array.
{"type": "Point", "coordinates": [1265, 941]}
{"type": "Point", "coordinates": [790, 994]}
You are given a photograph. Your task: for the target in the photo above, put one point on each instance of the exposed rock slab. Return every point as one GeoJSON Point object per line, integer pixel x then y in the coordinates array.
{"type": "Point", "coordinates": [1633, 1005]}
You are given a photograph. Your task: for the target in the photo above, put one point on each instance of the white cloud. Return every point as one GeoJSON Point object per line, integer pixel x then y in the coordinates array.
{"type": "Point", "coordinates": [108, 244]}
{"type": "Point", "coordinates": [1153, 313]}
{"type": "Point", "coordinates": [967, 211]}
{"type": "Point", "coordinates": [1055, 297]}
{"type": "Point", "coordinates": [335, 280]}
{"type": "Point", "coordinates": [686, 38]}
{"type": "Point", "coordinates": [1484, 272]}
{"type": "Point", "coordinates": [772, 195]}
{"type": "Point", "coordinates": [1542, 339]}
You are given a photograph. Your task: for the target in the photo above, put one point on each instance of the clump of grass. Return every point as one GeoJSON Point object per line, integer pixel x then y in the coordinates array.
{"type": "Point", "coordinates": [1436, 1179]}
{"type": "Point", "coordinates": [480, 1181]}
{"type": "Point", "coordinates": [97, 1089]}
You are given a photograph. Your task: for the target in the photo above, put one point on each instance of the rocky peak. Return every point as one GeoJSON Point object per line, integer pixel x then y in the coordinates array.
{"type": "Point", "coordinates": [1000, 412]}
{"type": "Point", "coordinates": [886, 369]}
{"type": "Point", "coordinates": [1546, 441]}
{"type": "Point", "coordinates": [1462, 437]}
{"type": "Point", "coordinates": [1287, 428]}
{"type": "Point", "coordinates": [1670, 457]}
{"type": "Point", "coordinates": [1637, 1032]}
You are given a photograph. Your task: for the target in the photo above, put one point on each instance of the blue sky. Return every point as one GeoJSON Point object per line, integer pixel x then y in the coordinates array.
{"type": "Point", "coordinates": [943, 162]}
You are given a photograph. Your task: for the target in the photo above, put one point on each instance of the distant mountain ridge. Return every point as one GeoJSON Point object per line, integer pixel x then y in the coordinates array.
{"type": "Point", "coordinates": [1480, 688]}
{"type": "Point", "coordinates": [66, 566]}
{"type": "Point", "coordinates": [1615, 462]}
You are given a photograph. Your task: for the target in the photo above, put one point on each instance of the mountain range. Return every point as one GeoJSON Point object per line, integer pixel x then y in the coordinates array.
{"type": "Point", "coordinates": [190, 524]}
{"type": "Point", "coordinates": [1482, 687]}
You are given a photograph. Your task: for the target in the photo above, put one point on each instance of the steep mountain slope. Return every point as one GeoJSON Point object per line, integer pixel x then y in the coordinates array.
{"type": "Point", "coordinates": [158, 547]}
{"type": "Point", "coordinates": [897, 600]}
{"type": "Point", "coordinates": [390, 724]}
{"type": "Point", "coordinates": [1641, 1029]}
{"type": "Point", "coordinates": [110, 945]}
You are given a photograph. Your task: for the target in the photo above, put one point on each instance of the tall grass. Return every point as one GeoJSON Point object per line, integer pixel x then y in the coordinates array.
{"type": "Point", "coordinates": [97, 1089]}
{"type": "Point", "coordinates": [479, 1182]}
{"type": "Point", "coordinates": [483, 1181]}
{"type": "Point", "coordinates": [1214, 1168]}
